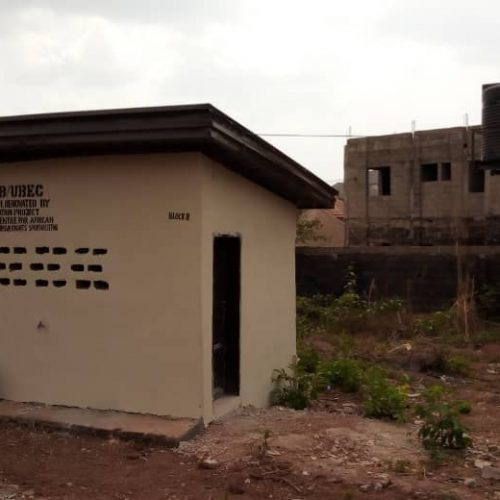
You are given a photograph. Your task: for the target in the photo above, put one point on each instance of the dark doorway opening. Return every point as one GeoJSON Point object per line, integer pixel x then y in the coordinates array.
{"type": "Point", "coordinates": [226, 316]}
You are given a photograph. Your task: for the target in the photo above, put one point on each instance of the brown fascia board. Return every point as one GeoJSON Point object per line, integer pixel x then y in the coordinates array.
{"type": "Point", "coordinates": [198, 127]}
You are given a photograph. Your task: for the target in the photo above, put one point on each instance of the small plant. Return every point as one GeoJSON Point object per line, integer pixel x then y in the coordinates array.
{"type": "Point", "coordinates": [437, 323]}
{"type": "Point", "coordinates": [308, 360]}
{"type": "Point", "coordinates": [382, 398]}
{"type": "Point", "coordinates": [393, 305]}
{"type": "Point", "coordinates": [400, 466]}
{"type": "Point", "coordinates": [463, 407]}
{"type": "Point", "coordinates": [457, 365]}
{"type": "Point", "coordinates": [347, 374]}
{"type": "Point", "coordinates": [294, 388]}
{"type": "Point", "coordinates": [312, 315]}
{"type": "Point", "coordinates": [260, 450]}
{"type": "Point", "coordinates": [445, 362]}
{"type": "Point", "coordinates": [441, 426]}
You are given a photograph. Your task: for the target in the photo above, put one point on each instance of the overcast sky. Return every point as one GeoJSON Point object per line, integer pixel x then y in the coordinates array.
{"type": "Point", "coordinates": [282, 66]}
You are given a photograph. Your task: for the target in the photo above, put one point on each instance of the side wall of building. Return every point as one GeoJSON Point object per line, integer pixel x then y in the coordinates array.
{"type": "Point", "coordinates": [266, 225]}
{"type": "Point", "coordinates": [132, 343]}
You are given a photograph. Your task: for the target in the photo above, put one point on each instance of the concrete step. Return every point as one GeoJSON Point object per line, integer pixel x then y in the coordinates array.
{"type": "Point", "coordinates": [105, 423]}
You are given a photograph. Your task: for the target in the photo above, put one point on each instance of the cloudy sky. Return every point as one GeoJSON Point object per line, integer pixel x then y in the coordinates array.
{"type": "Point", "coordinates": [277, 66]}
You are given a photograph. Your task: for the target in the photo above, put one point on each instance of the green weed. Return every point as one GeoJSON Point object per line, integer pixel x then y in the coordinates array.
{"type": "Point", "coordinates": [294, 388]}
{"type": "Point", "coordinates": [382, 398]}
{"type": "Point", "coordinates": [346, 374]}
{"type": "Point", "coordinates": [441, 426]}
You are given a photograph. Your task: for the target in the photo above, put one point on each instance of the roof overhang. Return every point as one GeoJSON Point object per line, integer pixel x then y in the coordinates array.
{"type": "Point", "coordinates": [192, 128]}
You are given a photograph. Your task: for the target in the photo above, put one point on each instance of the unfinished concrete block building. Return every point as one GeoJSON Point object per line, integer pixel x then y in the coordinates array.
{"type": "Point", "coordinates": [425, 188]}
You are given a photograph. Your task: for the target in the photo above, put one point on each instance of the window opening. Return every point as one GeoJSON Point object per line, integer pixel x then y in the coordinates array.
{"type": "Point", "coordinates": [429, 172]}
{"type": "Point", "coordinates": [476, 179]}
{"type": "Point", "coordinates": [446, 171]}
{"type": "Point", "coordinates": [379, 181]}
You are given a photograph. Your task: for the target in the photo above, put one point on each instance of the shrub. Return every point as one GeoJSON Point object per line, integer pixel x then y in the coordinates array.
{"type": "Point", "coordinates": [440, 360]}
{"type": "Point", "coordinates": [346, 373]}
{"type": "Point", "coordinates": [308, 360]}
{"type": "Point", "coordinates": [393, 305]}
{"type": "Point", "coordinates": [441, 426]}
{"type": "Point", "coordinates": [464, 407]}
{"type": "Point", "coordinates": [308, 230]}
{"type": "Point", "coordinates": [294, 388]}
{"type": "Point", "coordinates": [312, 314]}
{"type": "Point", "coordinates": [382, 398]}
{"type": "Point", "coordinates": [457, 365]}
{"type": "Point", "coordinates": [437, 323]}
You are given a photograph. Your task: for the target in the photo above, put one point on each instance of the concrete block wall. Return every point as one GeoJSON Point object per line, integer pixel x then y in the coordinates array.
{"type": "Point", "coordinates": [419, 212]}
{"type": "Point", "coordinates": [425, 277]}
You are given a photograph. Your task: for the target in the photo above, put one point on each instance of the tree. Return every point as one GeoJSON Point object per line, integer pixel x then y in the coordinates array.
{"type": "Point", "coordinates": [308, 229]}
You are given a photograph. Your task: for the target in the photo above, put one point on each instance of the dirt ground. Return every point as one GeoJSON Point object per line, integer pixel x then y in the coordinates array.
{"type": "Point", "coordinates": [327, 452]}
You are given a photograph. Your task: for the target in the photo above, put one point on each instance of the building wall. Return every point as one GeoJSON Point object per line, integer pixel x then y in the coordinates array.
{"type": "Point", "coordinates": [266, 225]}
{"type": "Point", "coordinates": [424, 277]}
{"type": "Point", "coordinates": [419, 212]}
{"type": "Point", "coordinates": [145, 343]}
{"type": "Point", "coordinates": [136, 346]}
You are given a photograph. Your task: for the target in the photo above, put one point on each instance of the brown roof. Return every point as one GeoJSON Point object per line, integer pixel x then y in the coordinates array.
{"type": "Point", "coordinates": [198, 127]}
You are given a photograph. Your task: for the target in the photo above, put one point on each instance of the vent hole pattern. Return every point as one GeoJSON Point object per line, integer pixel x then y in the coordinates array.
{"type": "Point", "coordinates": [83, 284]}
{"type": "Point", "coordinates": [101, 285]}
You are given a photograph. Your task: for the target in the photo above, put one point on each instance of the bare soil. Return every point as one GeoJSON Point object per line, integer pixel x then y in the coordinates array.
{"type": "Point", "coordinates": [327, 452]}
